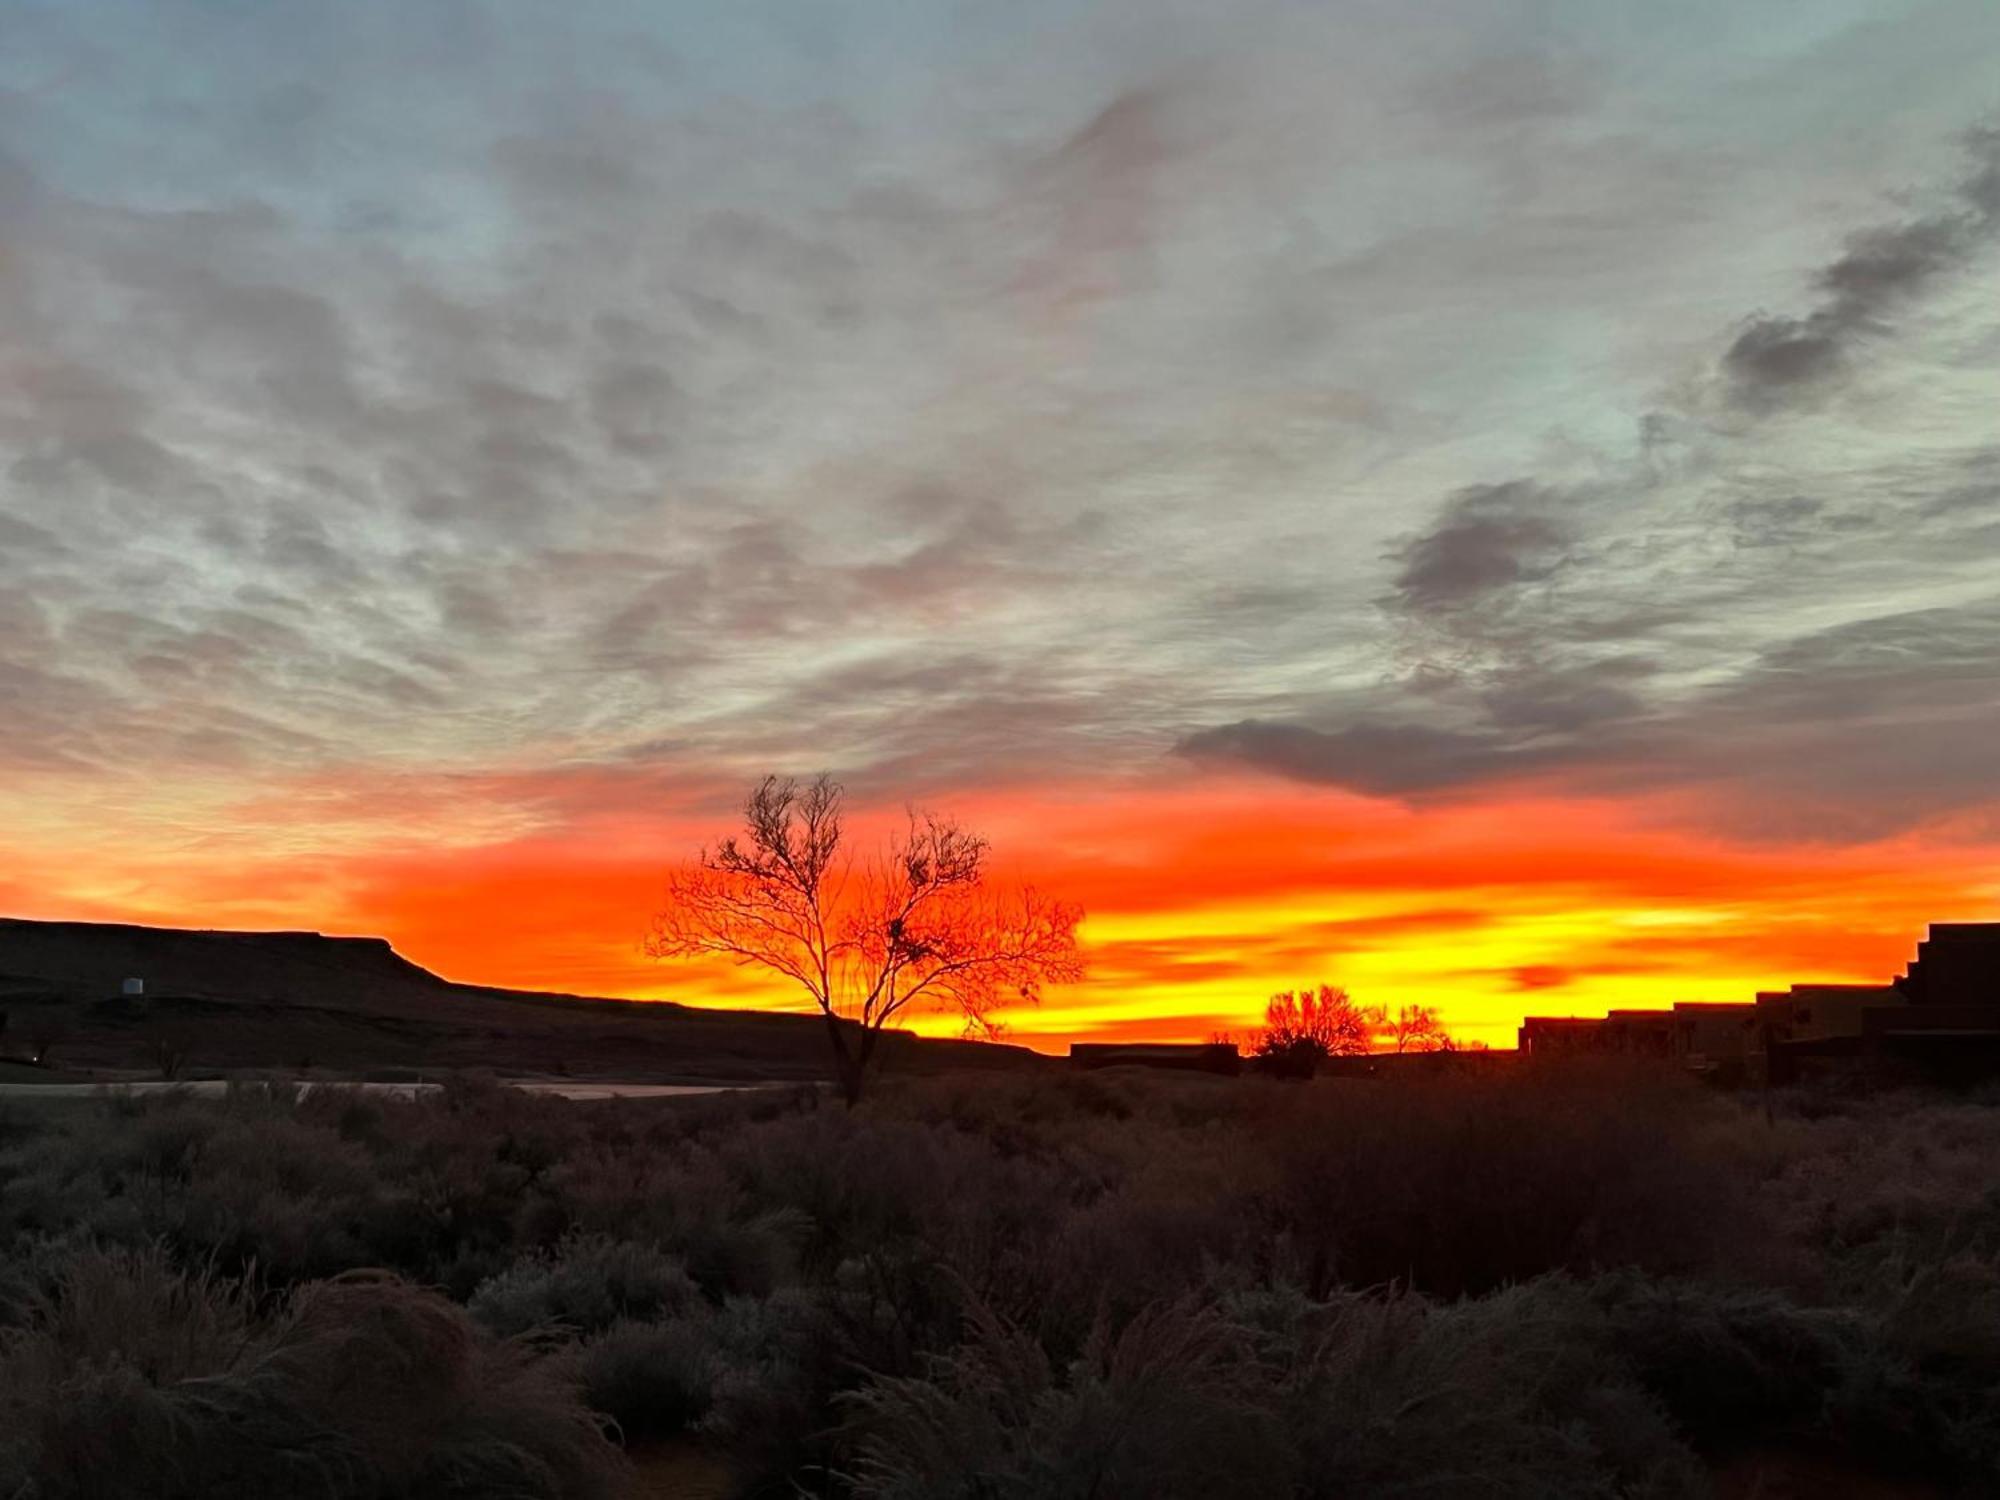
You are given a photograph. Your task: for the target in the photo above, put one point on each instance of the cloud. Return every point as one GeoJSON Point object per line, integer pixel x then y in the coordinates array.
{"type": "Point", "coordinates": [1540, 977]}
{"type": "Point", "coordinates": [1568, 700]}
{"type": "Point", "coordinates": [1490, 540]}
{"type": "Point", "coordinates": [1378, 758]}
{"type": "Point", "coordinates": [523, 395]}
{"type": "Point", "coordinates": [1855, 730]}
{"type": "Point", "coordinates": [1746, 626]}
{"type": "Point", "coordinates": [1848, 733]}
{"type": "Point", "coordinates": [1777, 359]}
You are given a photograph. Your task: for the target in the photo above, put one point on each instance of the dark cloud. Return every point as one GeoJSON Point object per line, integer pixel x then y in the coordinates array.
{"type": "Point", "coordinates": [1597, 631]}
{"type": "Point", "coordinates": [1491, 539]}
{"type": "Point", "coordinates": [1849, 732]}
{"type": "Point", "coordinates": [635, 405]}
{"type": "Point", "coordinates": [1776, 358]}
{"type": "Point", "coordinates": [1526, 718]}
{"type": "Point", "coordinates": [1854, 731]}
{"type": "Point", "coordinates": [1567, 700]}
{"type": "Point", "coordinates": [20, 539]}
{"type": "Point", "coordinates": [1541, 977]}
{"type": "Point", "coordinates": [1391, 759]}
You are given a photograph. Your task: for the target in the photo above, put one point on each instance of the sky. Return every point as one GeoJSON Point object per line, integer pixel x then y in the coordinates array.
{"type": "Point", "coordinates": [1493, 504]}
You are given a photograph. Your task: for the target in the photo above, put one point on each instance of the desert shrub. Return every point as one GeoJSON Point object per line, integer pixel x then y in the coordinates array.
{"type": "Point", "coordinates": [1507, 1395]}
{"type": "Point", "coordinates": [1867, 1200]}
{"type": "Point", "coordinates": [1728, 1362]}
{"type": "Point", "coordinates": [1617, 1386]}
{"type": "Point", "coordinates": [1933, 1390]}
{"type": "Point", "coordinates": [239, 1182]}
{"type": "Point", "coordinates": [1461, 1185]}
{"type": "Point", "coordinates": [128, 1377]}
{"type": "Point", "coordinates": [687, 1203]}
{"type": "Point", "coordinates": [100, 1307]}
{"type": "Point", "coordinates": [1165, 1408]}
{"type": "Point", "coordinates": [653, 1379]}
{"type": "Point", "coordinates": [1568, 1282]}
{"type": "Point", "coordinates": [587, 1283]}
{"type": "Point", "coordinates": [1273, 1392]}
{"type": "Point", "coordinates": [1160, 1231]}
{"type": "Point", "coordinates": [777, 1369]}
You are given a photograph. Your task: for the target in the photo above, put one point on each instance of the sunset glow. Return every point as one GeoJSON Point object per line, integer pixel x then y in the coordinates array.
{"type": "Point", "coordinates": [1495, 507]}
{"type": "Point", "coordinates": [1203, 893]}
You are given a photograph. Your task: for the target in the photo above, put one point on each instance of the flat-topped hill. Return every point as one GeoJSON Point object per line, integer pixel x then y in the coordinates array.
{"type": "Point", "coordinates": [250, 1000]}
{"type": "Point", "coordinates": [94, 958]}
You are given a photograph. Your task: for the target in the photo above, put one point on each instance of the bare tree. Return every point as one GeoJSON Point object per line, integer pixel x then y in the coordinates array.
{"type": "Point", "coordinates": [168, 1046]}
{"type": "Point", "coordinates": [916, 925]}
{"type": "Point", "coordinates": [1415, 1028]}
{"type": "Point", "coordinates": [1304, 1027]}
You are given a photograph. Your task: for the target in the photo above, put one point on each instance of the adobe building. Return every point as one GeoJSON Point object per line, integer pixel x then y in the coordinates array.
{"type": "Point", "coordinates": [1819, 1028]}
{"type": "Point", "coordinates": [1948, 1025]}
{"type": "Point", "coordinates": [1560, 1036]}
{"type": "Point", "coordinates": [1623, 1033]}
{"type": "Point", "coordinates": [1720, 1039]}
{"type": "Point", "coordinates": [1939, 1020]}
{"type": "Point", "coordinates": [1958, 964]}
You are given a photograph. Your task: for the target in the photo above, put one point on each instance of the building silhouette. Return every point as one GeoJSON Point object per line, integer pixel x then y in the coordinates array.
{"type": "Point", "coordinates": [1939, 1019]}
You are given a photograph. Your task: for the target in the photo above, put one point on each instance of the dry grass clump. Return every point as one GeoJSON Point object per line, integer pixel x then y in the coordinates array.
{"type": "Point", "coordinates": [121, 1376]}
{"type": "Point", "coordinates": [584, 1285]}
{"type": "Point", "coordinates": [1166, 1406]}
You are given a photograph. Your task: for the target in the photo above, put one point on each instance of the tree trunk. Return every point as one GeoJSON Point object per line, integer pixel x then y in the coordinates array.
{"type": "Point", "coordinates": [853, 1065]}
{"type": "Point", "coordinates": [852, 1074]}
{"type": "Point", "coordinates": [847, 1068]}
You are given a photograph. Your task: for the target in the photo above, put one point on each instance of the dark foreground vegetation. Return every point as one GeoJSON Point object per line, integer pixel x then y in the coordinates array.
{"type": "Point", "coordinates": [1491, 1283]}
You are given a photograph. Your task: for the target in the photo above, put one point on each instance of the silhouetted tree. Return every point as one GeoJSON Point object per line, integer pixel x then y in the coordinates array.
{"type": "Point", "coordinates": [1302, 1028]}
{"type": "Point", "coordinates": [1415, 1028]}
{"type": "Point", "coordinates": [168, 1046]}
{"type": "Point", "coordinates": [915, 925]}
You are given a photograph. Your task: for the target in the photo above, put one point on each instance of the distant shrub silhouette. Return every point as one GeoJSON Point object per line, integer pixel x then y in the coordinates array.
{"type": "Point", "coordinates": [1303, 1028]}
{"type": "Point", "coordinates": [168, 1046]}
{"type": "Point", "coordinates": [1413, 1028]}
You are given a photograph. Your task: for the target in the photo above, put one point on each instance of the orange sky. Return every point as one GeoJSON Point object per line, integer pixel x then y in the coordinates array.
{"type": "Point", "coordinates": [1204, 891]}
{"type": "Point", "coordinates": [1496, 516]}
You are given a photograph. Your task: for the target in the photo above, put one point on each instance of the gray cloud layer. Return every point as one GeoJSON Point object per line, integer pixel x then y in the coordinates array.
{"type": "Point", "coordinates": [1636, 632]}
{"type": "Point", "coordinates": [1881, 269]}
{"type": "Point", "coordinates": [380, 390]}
